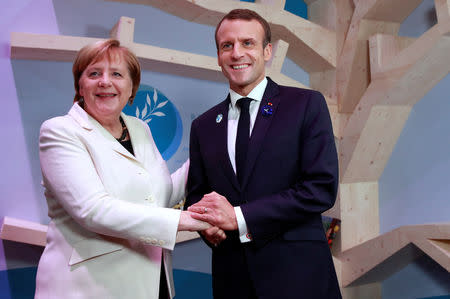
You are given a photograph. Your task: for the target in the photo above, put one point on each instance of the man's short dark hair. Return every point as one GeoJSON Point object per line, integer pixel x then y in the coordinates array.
{"type": "Point", "coordinates": [248, 15]}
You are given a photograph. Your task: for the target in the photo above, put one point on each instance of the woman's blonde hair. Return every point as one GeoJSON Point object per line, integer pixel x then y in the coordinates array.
{"type": "Point", "coordinates": [97, 51]}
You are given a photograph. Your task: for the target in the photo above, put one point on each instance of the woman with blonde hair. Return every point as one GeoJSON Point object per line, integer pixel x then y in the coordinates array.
{"type": "Point", "coordinates": [108, 190]}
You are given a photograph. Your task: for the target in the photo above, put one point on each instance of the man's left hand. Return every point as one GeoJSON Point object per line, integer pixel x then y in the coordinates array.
{"type": "Point", "coordinates": [216, 210]}
{"type": "Point", "coordinates": [214, 235]}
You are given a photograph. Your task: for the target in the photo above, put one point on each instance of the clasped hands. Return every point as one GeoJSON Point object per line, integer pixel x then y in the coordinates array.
{"type": "Point", "coordinates": [214, 209]}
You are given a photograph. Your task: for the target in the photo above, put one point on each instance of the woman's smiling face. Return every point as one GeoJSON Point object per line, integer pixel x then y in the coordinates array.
{"type": "Point", "coordinates": [106, 87]}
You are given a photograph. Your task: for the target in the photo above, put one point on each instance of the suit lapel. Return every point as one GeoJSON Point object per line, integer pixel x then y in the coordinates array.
{"type": "Point", "coordinates": [135, 136]}
{"type": "Point", "coordinates": [111, 141]}
{"type": "Point", "coordinates": [219, 140]}
{"type": "Point", "coordinates": [89, 123]}
{"type": "Point", "coordinates": [262, 124]}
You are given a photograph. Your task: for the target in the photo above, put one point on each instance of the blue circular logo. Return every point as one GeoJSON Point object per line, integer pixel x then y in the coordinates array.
{"type": "Point", "coordinates": [153, 107]}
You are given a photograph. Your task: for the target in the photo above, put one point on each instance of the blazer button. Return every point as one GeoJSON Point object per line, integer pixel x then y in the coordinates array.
{"type": "Point", "coordinates": [145, 240]}
{"type": "Point", "coordinates": [150, 199]}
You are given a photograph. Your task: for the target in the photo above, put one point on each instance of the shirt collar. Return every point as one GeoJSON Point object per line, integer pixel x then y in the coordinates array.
{"type": "Point", "coordinates": [256, 94]}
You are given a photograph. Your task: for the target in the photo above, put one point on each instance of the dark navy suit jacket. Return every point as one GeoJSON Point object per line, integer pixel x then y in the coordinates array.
{"type": "Point", "coordinates": [291, 177]}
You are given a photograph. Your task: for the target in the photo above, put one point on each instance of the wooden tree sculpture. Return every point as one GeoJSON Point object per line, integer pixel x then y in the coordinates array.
{"type": "Point", "coordinates": [371, 78]}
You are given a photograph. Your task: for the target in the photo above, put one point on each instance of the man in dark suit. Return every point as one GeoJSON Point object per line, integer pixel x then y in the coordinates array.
{"type": "Point", "coordinates": [263, 168]}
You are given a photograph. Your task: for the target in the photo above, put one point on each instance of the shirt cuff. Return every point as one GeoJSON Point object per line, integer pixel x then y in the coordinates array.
{"type": "Point", "coordinates": [244, 235]}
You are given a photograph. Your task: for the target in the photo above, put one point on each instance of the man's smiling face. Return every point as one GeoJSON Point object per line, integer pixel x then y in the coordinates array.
{"type": "Point", "coordinates": [241, 54]}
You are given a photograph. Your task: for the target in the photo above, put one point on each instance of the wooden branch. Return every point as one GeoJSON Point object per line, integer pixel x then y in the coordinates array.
{"type": "Point", "coordinates": [33, 233]}
{"type": "Point", "coordinates": [432, 239]}
{"type": "Point", "coordinates": [23, 231]}
{"type": "Point", "coordinates": [277, 4]}
{"type": "Point", "coordinates": [124, 31]}
{"type": "Point", "coordinates": [359, 213]}
{"type": "Point", "coordinates": [279, 50]}
{"type": "Point", "coordinates": [47, 47]}
{"type": "Point", "coordinates": [442, 8]}
{"type": "Point", "coordinates": [372, 130]}
{"type": "Point", "coordinates": [65, 48]}
{"type": "Point", "coordinates": [370, 77]}
{"type": "Point", "coordinates": [335, 16]}
{"type": "Point", "coordinates": [394, 11]}
{"type": "Point", "coordinates": [353, 72]}
{"type": "Point", "coordinates": [370, 17]}
{"type": "Point", "coordinates": [373, 147]}
{"type": "Point", "coordinates": [312, 46]}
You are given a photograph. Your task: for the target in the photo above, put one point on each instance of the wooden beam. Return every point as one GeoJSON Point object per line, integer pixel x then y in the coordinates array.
{"type": "Point", "coordinates": [366, 291]}
{"type": "Point", "coordinates": [23, 231]}
{"type": "Point", "coordinates": [384, 50]}
{"type": "Point", "coordinates": [312, 46]}
{"type": "Point", "coordinates": [442, 8]}
{"type": "Point", "coordinates": [370, 78]}
{"type": "Point", "coordinates": [359, 213]}
{"type": "Point", "coordinates": [279, 50]}
{"type": "Point", "coordinates": [359, 260]}
{"type": "Point", "coordinates": [47, 47]}
{"type": "Point", "coordinates": [372, 131]}
{"type": "Point", "coordinates": [353, 71]}
{"type": "Point", "coordinates": [33, 233]}
{"type": "Point", "coordinates": [277, 4]}
{"type": "Point", "coordinates": [124, 31]}
{"type": "Point", "coordinates": [65, 48]}
{"type": "Point", "coordinates": [394, 11]}
{"type": "Point", "coordinates": [375, 144]}
{"type": "Point", "coordinates": [370, 17]}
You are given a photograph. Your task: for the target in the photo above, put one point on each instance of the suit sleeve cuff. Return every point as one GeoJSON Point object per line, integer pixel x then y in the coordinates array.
{"type": "Point", "coordinates": [244, 235]}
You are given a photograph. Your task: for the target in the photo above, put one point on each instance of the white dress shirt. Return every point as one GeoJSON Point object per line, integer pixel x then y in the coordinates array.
{"type": "Point", "coordinates": [233, 119]}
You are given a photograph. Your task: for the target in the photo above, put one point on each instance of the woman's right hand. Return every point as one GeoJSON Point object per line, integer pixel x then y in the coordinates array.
{"type": "Point", "coordinates": [190, 224]}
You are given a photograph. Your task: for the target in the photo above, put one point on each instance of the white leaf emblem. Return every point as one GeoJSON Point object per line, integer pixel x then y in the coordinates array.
{"type": "Point", "coordinates": [148, 100]}
{"type": "Point", "coordinates": [151, 107]}
{"type": "Point", "coordinates": [155, 96]}
{"type": "Point", "coordinates": [162, 104]}
{"type": "Point", "coordinates": [144, 111]}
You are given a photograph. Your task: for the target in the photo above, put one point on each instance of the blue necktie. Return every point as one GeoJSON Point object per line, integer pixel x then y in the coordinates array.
{"type": "Point", "coordinates": [242, 137]}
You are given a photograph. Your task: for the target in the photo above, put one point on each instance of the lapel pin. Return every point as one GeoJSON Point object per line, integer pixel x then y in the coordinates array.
{"type": "Point", "coordinates": [219, 118]}
{"type": "Point", "coordinates": [267, 110]}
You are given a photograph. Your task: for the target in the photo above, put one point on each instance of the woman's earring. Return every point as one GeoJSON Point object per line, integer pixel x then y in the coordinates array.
{"type": "Point", "coordinates": [81, 102]}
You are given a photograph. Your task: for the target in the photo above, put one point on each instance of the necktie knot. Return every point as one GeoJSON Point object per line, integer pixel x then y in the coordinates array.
{"type": "Point", "coordinates": [244, 104]}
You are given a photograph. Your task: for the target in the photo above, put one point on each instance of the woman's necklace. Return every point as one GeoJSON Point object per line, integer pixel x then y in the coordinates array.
{"type": "Point", "coordinates": [124, 131]}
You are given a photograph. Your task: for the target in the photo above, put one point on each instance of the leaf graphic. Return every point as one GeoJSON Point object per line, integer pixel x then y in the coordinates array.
{"type": "Point", "coordinates": [137, 112]}
{"type": "Point", "coordinates": [162, 104]}
{"type": "Point", "coordinates": [144, 111]}
{"type": "Point", "coordinates": [148, 100]}
{"type": "Point", "coordinates": [155, 96]}
{"type": "Point", "coordinates": [158, 114]}
{"type": "Point", "coordinates": [148, 120]}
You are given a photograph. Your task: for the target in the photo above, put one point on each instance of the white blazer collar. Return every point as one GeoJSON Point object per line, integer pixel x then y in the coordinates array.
{"type": "Point", "coordinates": [80, 116]}
{"type": "Point", "coordinates": [89, 123]}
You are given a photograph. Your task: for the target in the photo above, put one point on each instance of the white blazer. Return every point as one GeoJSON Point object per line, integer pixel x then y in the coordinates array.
{"type": "Point", "coordinates": [110, 225]}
